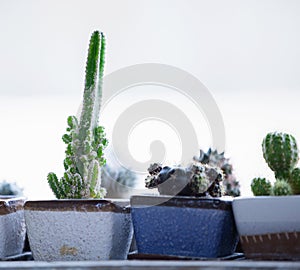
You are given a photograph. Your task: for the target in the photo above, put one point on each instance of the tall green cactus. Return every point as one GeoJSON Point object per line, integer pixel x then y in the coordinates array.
{"type": "Point", "coordinates": [85, 139]}
{"type": "Point", "coordinates": [281, 153]}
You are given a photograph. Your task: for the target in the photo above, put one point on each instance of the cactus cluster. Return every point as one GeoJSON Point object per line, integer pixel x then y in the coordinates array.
{"type": "Point", "coordinates": [213, 158]}
{"type": "Point", "coordinates": [85, 140]}
{"type": "Point", "coordinates": [10, 189]}
{"type": "Point", "coordinates": [280, 151]}
{"type": "Point", "coordinates": [117, 181]}
{"type": "Point", "coordinates": [195, 180]}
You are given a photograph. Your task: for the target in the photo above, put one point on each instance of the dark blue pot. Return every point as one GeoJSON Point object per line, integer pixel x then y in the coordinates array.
{"type": "Point", "coordinates": [183, 226]}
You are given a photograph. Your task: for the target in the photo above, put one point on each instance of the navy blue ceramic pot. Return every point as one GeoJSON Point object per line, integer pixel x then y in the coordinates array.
{"type": "Point", "coordinates": [183, 226]}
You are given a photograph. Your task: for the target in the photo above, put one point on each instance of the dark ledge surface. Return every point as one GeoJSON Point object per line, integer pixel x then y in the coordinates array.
{"type": "Point", "coordinates": [189, 265]}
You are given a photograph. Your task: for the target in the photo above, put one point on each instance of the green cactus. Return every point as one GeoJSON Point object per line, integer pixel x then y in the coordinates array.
{"type": "Point", "coordinates": [281, 153]}
{"type": "Point", "coordinates": [282, 188]}
{"type": "Point", "coordinates": [295, 181]}
{"type": "Point", "coordinates": [85, 139]}
{"type": "Point", "coordinates": [261, 187]}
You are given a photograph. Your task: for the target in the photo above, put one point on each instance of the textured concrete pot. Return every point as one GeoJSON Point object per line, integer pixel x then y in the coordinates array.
{"type": "Point", "coordinates": [12, 226]}
{"type": "Point", "coordinates": [183, 226]}
{"type": "Point", "coordinates": [75, 230]}
{"type": "Point", "coordinates": [269, 227]}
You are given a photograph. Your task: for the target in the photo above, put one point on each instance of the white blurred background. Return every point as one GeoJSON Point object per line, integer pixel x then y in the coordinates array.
{"type": "Point", "coordinates": [247, 53]}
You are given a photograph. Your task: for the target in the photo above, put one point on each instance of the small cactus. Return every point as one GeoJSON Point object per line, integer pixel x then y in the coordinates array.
{"type": "Point", "coordinates": [10, 189]}
{"type": "Point", "coordinates": [261, 187]}
{"type": "Point", "coordinates": [117, 181]}
{"type": "Point", "coordinates": [282, 188]}
{"type": "Point", "coordinates": [215, 159]}
{"type": "Point", "coordinates": [295, 181]}
{"type": "Point", "coordinates": [85, 140]}
{"type": "Point", "coordinates": [195, 180]}
{"type": "Point", "coordinates": [281, 153]}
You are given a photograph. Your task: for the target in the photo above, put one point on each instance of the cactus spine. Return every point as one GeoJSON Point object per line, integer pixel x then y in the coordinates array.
{"type": "Point", "coordinates": [85, 139]}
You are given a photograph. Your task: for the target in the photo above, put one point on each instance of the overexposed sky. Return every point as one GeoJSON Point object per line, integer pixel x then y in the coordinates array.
{"type": "Point", "coordinates": [247, 53]}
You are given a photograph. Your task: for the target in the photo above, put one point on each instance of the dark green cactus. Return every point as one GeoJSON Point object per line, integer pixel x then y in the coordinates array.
{"type": "Point", "coordinates": [282, 188]}
{"type": "Point", "coordinates": [295, 181]}
{"type": "Point", "coordinates": [261, 187]}
{"type": "Point", "coordinates": [85, 140]}
{"type": "Point", "coordinates": [281, 153]}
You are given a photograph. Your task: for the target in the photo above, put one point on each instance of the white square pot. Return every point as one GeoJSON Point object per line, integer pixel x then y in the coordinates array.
{"type": "Point", "coordinates": [269, 226]}
{"type": "Point", "coordinates": [76, 230]}
{"type": "Point", "coordinates": [12, 226]}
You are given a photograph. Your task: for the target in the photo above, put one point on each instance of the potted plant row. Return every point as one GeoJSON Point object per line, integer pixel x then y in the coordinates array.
{"type": "Point", "coordinates": [189, 218]}
{"type": "Point", "coordinates": [269, 223]}
{"type": "Point", "coordinates": [80, 224]}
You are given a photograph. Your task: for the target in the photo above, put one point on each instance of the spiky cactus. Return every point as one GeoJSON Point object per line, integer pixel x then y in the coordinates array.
{"type": "Point", "coordinates": [85, 139]}
{"type": "Point", "coordinates": [213, 158]}
{"type": "Point", "coordinates": [261, 187]}
{"type": "Point", "coordinates": [281, 188]}
{"type": "Point", "coordinates": [281, 153]}
{"type": "Point", "coordinates": [195, 180]}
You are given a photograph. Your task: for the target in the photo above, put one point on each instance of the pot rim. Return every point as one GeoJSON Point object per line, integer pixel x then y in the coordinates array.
{"type": "Point", "coordinates": [262, 198]}
{"type": "Point", "coordinates": [77, 205]}
{"type": "Point", "coordinates": [220, 203]}
{"type": "Point", "coordinates": [11, 204]}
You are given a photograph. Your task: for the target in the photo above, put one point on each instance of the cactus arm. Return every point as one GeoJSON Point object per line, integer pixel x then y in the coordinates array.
{"type": "Point", "coordinates": [100, 142]}
{"type": "Point", "coordinates": [93, 176]}
{"type": "Point", "coordinates": [93, 86]}
{"type": "Point", "coordinates": [55, 185]}
{"type": "Point", "coordinates": [100, 81]}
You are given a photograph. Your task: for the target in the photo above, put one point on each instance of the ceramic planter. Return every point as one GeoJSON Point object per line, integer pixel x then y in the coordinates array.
{"type": "Point", "coordinates": [12, 226]}
{"type": "Point", "coordinates": [64, 230]}
{"type": "Point", "coordinates": [269, 227]}
{"type": "Point", "coordinates": [183, 226]}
